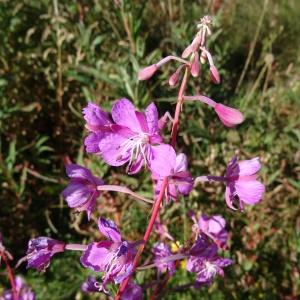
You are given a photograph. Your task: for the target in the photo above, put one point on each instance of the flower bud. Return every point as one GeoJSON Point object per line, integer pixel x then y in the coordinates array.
{"type": "Point", "coordinates": [195, 68]}
{"type": "Point", "coordinates": [228, 116]}
{"type": "Point", "coordinates": [147, 72]}
{"type": "Point", "coordinates": [203, 58]}
{"type": "Point", "coordinates": [173, 80]}
{"type": "Point", "coordinates": [214, 75]}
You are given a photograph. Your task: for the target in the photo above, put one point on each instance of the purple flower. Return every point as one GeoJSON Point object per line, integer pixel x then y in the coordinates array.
{"type": "Point", "coordinates": [214, 227]}
{"type": "Point", "coordinates": [91, 285]}
{"type": "Point", "coordinates": [180, 179]}
{"type": "Point", "coordinates": [114, 257]}
{"type": "Point", "coordinates": [205, 262]}
{"type": "Point", "coordinates": [160, 251]}
{"type": "Point", "coordinates": [241, 182]}
{"type": "Point", "coordinates": [132, 292]}
{"type": "Point", "coordinates": [40, 251]}
{"type": "Point", "coordinates": [82, 192]}
{"type": "Point", "coordinates": [23, 291]}
{"type": "Point", "coordinates": [132, 139]}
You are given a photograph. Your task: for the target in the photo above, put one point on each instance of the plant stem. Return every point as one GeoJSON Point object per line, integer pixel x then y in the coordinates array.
{"type": "Point", "coordinates": [10, 276]}
{"type": "Point", "coordinates": [158, 201]}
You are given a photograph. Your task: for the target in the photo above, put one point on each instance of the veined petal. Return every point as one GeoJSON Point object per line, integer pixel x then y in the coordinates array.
{"type": "Point", "coordinates": [123, 113]}
{"type": "Point", "coordinates": [181, 164]}
{"type": "Point", "coordinates": [76, 194]}
{"type": "Point", "coordinates": [249, 191]}
{"type": "Point", "coordinates": [163, 159]}
{"type": "Point", "coordinates": [109, 229]}
{"type": "Point", "coordinates": [249, 167]}
{"type": "Point", "coordinates": [96, 256]}
{"type": "Point", "coordinates": [77, 171]}
{"type": "Point", "coordinates": [91, 142]}
{"type": "Point", "coordinates": [152, 117]}
{"type": "Point", "coordinates": [95, 116]}
{"type": "Point", "coordinates": [111, 150]}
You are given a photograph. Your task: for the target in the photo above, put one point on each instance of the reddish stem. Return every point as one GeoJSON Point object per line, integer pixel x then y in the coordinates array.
{"type": "Point", "coordinates": [10, 276]}
{"type": "Point", "coordinates": [158, 201]}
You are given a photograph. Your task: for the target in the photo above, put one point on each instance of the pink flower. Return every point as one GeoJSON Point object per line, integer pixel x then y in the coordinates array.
{"type": "Point", "coordinates": [242, 184]}
{"type": "Point", "coordinates": [114, 257]}
{"type": "Point", "coordinates": [82, 192]}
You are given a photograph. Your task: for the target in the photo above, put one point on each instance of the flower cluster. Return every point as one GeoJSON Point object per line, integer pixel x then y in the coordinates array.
{"type": "Point", "coordinates": [134, 139]}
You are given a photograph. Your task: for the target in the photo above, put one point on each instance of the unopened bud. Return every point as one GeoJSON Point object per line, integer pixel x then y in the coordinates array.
{"type": "Point", "coordinates": [214, 75]}
{"type": "Point", "coordinates": [195, 68]}
{"type": "Point", "coordinates": [228, 116]}
{"type": "Point", "coordinates": [203, 58]}
{"type": "Point", "coordinates": [147, 72]}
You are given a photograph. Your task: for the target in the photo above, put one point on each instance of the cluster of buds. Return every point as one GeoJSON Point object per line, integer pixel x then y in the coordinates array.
{"type": "Point", "coordinates": [134, 139]}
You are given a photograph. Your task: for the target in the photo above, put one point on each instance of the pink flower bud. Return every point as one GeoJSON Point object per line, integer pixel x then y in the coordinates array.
{"type": "Point", "coordinates": [228, 116]}
{"type": "Point", "coordinates": [173, 80]}
{"type": "Point", "coordinates": [203, 57]}
{"type": "Point", "coordinates": [147, 72]}
{"type": "Point", "coordinates": [187, 51]}
{"type": "Point", "coordinates": [195, 68]}
{"type": "Point", "coordinates": [214, 75]}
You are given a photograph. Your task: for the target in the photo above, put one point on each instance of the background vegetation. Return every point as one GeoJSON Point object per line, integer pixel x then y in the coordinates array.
{"type": "Point", "coordinates": [57, 56]}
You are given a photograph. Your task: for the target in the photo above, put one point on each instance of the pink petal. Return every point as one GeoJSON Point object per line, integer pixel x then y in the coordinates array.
{"type": "Point", "coordinates": [163, 159]}
{"type": "Point", "coordinates": [152, 117]}
{"type": "Point", "coordinates": [123, 113]}
{"type": "Point", "coordinates": [96, 255]}
{"type": "Point", "coordinates": [249, 167]}
{"type": "Point", "coordinates": [111, 150]}
{"type": "Point", "coordinates": [181, 164]}
{"type": "Point", "coordinates": [109, 229]}
{"type": "Point", "coordinates": [77, 171]}
{"type": "Point", "coordinates": [147, 72]}
{"type": "Point", "coordinates": [249, 191]}
{"type": "Point", "coordinates": [228, 116]}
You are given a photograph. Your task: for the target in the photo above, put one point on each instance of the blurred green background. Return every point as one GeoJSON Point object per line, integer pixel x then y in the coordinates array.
{"type": "Point", "coordinates": [56, 56]}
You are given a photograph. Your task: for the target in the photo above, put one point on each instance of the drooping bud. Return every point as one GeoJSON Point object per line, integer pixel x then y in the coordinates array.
{"type": "Point", "coordinates": [195, 68]}
{"type": "Point", "coordinates": [214, 75]}
{"type": "Point", "coordinates": [173, 80]}
{"type": "Point", "coordinates": [203, 58]}
{"type": "Point", "coordinates": [147, 72]}
{"type": "Point", "coordinates": [228, 116]}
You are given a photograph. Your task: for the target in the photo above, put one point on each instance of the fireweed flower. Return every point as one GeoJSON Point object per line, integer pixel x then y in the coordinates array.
{"type": "Point", "coordinates": [180, 180]}
{"type": "Point", "coordinates": [41, 250]}
{"type": "Point", "coordinates": [133, 139]}
{"type": "Point", "coordinates": [214, 228]}
{"type": "Point", "coordinates": [230, 117]}
{"type": "Point", "coordinates": [23, 291]}
{"type": "Point", "coordinates": [160, 251]}
{"type": "Point", "coordinates": [82, 192]}
{"type": "Point", "coordinates": [242, 184]}
{"type": "Point", "coordinates": [205, 262]}
{"type": "Point", "coordinates": [114, 257]}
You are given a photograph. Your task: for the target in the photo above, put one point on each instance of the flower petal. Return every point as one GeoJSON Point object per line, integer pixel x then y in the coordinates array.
{"type": "Point", "coordinates": [152, 117]}
{"type": "Point", "coordinates": [249, 167]}
{"type": "Point", "coordinates": [181, 163]}
{"type": "Point", "coordinates": [123, 113]}
{"type": "Point", "coordinates": [96, 255]}
{"type": "Point", "coordinates": [249, 191]}
{"type": "Point", "coordinates": [111, 151]}
{"type": "Point", "coordinates": [76, 194]}
{"type": "Point", "coordinates": [109, 229]}
{"type": "Point", "coordinates": [78, 172]}
{"type": "Point", "coordinates": [162, 160]}
{"type": "Point", "coordinates": [95, 116]}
